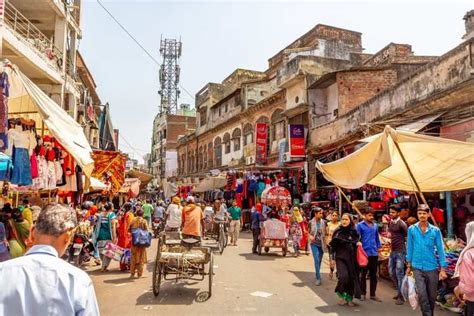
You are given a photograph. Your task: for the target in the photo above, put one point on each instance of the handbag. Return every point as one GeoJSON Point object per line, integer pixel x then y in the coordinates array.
{"type": "Point", "coordinates": [141, 237]}
{"type": "Point", "coordinates": [113, 251]}
{"type": "Point", "coordinates": [362, 259]}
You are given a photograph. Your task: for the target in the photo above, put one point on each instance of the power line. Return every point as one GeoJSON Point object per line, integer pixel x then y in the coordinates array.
{"type": "Point", "coordinates": [137, 42]}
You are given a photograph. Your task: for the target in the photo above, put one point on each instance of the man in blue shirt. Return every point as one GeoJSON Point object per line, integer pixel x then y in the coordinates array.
{"type": "Point", "coordinates": [423, 242]}
{"type": "Point", "coordinates": [369, 236]}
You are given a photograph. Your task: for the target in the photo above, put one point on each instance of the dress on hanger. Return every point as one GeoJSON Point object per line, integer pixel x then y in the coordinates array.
{"type": "Point", "coordinates": [20, 149]}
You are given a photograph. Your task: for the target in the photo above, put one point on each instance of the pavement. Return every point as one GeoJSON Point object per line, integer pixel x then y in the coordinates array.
{"type": "Point", "coordinates": [243, 284]}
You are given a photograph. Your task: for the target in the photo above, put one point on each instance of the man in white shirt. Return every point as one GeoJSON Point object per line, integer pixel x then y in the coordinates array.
{"type": "Point", "coordinates": [40, 283]}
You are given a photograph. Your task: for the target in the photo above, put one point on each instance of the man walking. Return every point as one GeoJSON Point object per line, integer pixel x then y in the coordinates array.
{"type": "Point", "coordinates": [316, 235]}
{"type": "Point", "coordinates": [369, 236]}
{"type": "Point", "coordinates": [147, 212]}
{"type": "Point", "coordinates": [256, 220]}
{"type": "Point", "coordinates": [234, 229]}
{"type": "Point", "coordinates": [423, 241]}
{"type": "Point", "coordinates": [41, 283]}
{"type": "Point", "coordinates": [398, 232]}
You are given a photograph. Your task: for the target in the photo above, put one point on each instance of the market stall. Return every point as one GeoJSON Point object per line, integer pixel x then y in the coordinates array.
{"type": "Point", "coordinates": [276, 196]}
{"type": "Point", "coordinates": [49, 150]}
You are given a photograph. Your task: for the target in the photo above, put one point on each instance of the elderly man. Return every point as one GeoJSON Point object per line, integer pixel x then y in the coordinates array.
{"type": "Point", "coordinates": [40, 283]}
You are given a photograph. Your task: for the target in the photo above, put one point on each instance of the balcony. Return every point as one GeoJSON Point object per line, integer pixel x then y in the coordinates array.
{"type": "Point", "coordinates": [22, 34]}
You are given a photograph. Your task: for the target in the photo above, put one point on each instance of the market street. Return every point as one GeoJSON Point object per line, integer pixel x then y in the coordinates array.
{"type": "Point", "coordinates": [289, 280]}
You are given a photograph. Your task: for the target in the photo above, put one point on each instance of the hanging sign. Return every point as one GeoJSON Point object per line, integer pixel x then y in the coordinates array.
{"type": "Point", "coordinates": [261, 143]}
{"type": "Point", "coordinates": [297, 140]}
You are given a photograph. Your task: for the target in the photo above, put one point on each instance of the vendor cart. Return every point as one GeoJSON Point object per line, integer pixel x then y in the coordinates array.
{"type": "Point", "coordinates": [182, 260]}
{"type": "Point", "coordinates": [273, 235]}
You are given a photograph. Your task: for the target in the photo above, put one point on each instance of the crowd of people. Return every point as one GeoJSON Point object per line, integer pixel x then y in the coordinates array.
{"type": "Point", "coordinates": [37, 239]}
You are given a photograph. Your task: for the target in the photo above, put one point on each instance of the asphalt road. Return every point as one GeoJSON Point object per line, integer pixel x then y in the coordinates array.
{"type": "Point", "coordinates": [243, 284]}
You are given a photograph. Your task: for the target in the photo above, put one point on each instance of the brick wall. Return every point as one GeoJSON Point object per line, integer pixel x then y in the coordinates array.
{"type": "Point", "coordinates": [359, 86]}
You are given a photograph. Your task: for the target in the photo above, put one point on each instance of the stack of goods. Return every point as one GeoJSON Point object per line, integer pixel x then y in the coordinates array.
{"type": "Point", "coordinates": [452, 303]}
{"type": "Point", "coordinates": [452, 254]}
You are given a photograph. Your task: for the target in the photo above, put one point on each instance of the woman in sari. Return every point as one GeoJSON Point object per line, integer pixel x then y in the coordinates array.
{"type": "Point", "coordinates": [4, 253]}
{"type": "Point", "coordinates": [19, 231]}
{"type": "Point", "coordinates": [139, 258]}
{"type": "Point", "coordinates": [343, 254]}
{"type": "Point", "coordinates": [124, 236]}
{"type": "Point", "coordinates": [105, 232]}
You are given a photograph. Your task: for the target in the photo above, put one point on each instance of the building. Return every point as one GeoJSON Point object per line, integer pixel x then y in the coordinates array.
{"type": "Point", "coordinates": [230, 113]}
{"type": "Point", "coordinates": [41, 38]}
{"type": "Point", "coordinates": [167, 128]}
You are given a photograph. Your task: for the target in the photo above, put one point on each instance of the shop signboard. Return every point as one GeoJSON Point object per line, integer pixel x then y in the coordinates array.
{"type": "Point", "coordinates": [297, 140]}
{"type": "Point", "coordinates": [261, 143]}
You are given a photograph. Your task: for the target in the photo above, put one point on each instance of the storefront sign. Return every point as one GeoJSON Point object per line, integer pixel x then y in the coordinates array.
{"type": "Point", "coordinates": [261, 143]}
{"type": "Point", "coordinates": [297, 140]}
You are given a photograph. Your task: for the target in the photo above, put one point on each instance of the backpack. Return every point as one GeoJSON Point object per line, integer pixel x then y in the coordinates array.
{"type": "Point", "coordinates": [141, 237]}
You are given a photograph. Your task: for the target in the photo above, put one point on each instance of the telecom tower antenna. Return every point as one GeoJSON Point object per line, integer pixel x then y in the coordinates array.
{"type": "Point", "coordinates": [170, 49]}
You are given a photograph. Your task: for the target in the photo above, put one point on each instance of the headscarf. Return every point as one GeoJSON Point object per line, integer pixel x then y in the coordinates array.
{"type": "Point", "coordinates": [469, 245]}
{"type": "Point", "coordinates": [258, 207]}
{"type": "Point", "coordinates": [176, 200]}
{"type": "Point", "coordinates": [297, 215]}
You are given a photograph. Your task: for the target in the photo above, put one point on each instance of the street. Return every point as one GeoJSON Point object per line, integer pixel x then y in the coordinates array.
{"type": "Point", "coordinates": [238, 274]}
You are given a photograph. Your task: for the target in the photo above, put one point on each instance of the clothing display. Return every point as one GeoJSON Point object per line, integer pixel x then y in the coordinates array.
{"type": "Point", "coordinates": [4, 93]}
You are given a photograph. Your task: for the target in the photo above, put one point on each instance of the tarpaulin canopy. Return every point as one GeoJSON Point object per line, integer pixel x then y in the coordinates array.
{"type": "Point", "coordinates": [144, 177]}
{"type": "Point", "coordinates": [97, 185]}
{"type": "Point", "coordinates": [27, 100]}
{"type": "Point", "coordinates": [277, 196]}
{"type": "Point", "coordinates": [131, 186]}
{"type": "Point", "coordinates": [169, 189]}
{"type": "Point", "coordinates": [437, 164]}
{"type": "Point", "coordinates": [211, 183]}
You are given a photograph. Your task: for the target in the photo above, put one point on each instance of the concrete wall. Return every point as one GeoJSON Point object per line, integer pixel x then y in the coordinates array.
{"type": "Point", "coordinates": [296, 94]}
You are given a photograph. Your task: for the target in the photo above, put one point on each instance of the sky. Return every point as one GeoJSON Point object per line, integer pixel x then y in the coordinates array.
{"type": "Point", "coordinates": [220, 36]}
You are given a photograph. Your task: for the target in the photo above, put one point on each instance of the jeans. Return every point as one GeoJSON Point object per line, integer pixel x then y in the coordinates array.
{"type": "Point", "coordinates": [397, 268]}
{"type": "Point", "coordinates": [426, 283]}
{"type": "Point", "coordinates": [318, 253]}
{"type": "Point", "coordinates": [255, 235]}
{"type": "Point", "coordinates": [148, 220]}
{"type": "Point", "coordinates": [371, 268]}
{"type": "Point", "coordinates": [469, 309]}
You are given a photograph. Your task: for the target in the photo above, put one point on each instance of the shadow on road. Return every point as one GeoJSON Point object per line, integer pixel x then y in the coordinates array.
{"type": "Point", "coordinates": [121, 280]}
{"type": "Point", "coordinates": [171, 294]}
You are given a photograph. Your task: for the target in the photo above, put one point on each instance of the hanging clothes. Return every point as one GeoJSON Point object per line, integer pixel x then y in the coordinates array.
{"type": "Point", "coordinates": [19, 147]}
{"type": "Point", "coordinates": [4, 93]}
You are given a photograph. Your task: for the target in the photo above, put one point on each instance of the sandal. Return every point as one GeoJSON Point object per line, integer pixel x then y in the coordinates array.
{"type": "Point", "coordinates": [342, 303]}
{"type": "Point", "coordinates": [352, 304]}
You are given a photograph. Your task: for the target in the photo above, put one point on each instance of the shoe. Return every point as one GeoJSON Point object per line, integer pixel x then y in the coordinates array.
{"type": "Point", "coordinates": [399, 301]}
{"type": "Point", "coordinates": [396, 297]}
{"type": "Point", "coordinates": [362, 298]}
{"type": "Point", "coordinates": [254, 252]}
{"type": "Point", "coordinates": [375, 298]}
{"type": "Point", "coordinates": [318, 282]}
{"type": "Point", "coordinates": [132, 276]}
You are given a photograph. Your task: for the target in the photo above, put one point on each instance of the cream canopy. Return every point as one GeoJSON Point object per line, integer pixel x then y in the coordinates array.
{"type": "Point", "coordinates": [437, 164]}
{"type": "Point", "coordinates": [211, 183]}
{"type": "Point", "coordinates": [27, 100]}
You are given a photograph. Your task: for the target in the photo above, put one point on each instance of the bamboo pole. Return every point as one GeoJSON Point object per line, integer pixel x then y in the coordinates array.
{"type": "Point", "coordinates": [349, 201]}
{"type": "Point", "coordinates": [413, 179]}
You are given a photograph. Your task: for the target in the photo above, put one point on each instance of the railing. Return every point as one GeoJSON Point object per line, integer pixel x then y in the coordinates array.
{"type": "Point", "coordinates": [32, 36]}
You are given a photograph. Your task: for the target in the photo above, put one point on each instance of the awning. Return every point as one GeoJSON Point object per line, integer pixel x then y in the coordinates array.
{"type": "Point", "coordinates": [211, 183]}
{"type": "Point", "coordinates": [110, 165]}
{"type": "Point", "coordinates": [29, 101]}
{"type": "Point", "coordinates": [437, 164]}
{"type": "Point", "coordinates": [97, 185]}
{"type": "Point", "coordinates": [144, 177]}
{"type": "Point", "coordinates": [131, 186]}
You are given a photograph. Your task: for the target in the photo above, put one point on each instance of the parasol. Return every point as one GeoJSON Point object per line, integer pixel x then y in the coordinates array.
{"type": "Point", "coordinates": [276, 196]}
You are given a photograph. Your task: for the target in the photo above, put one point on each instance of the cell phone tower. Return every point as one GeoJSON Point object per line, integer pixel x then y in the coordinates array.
{"type": "Point", "coordinates": [169, 92]}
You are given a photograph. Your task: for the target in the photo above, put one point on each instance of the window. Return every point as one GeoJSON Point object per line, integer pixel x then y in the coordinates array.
{"type": "Point", "coordinates": [202, 116]}
{"type": "Point", "coordinates": [210, 155]}
{"type": "Point", "coordinates": [248, 134]}
{"type": "Point", "coordinates": [236, 134]}
{"type": "Point", "coordinates": [226, 107]}
{"type": "Point", "coordinates": [226, 140]}
{"type": "Point", "coordinates": [220, 111]}
{"type": "Point", "coordinates": [297, 99]}
{"type": "Point", "coordinates": [218, 152]}
{"type": "Point", "coordinates": [278, 125]}
{"type": "Point", "coordinates": [164, 133]}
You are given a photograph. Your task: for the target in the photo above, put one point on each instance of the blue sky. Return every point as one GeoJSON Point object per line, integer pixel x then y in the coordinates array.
{"type": "Point", "coordinates": [219, 36]}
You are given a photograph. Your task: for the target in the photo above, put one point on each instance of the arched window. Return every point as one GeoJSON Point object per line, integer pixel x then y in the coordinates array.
{"type": "Point", "coordinates": [236, 134]}
{"type": "Point", "coordinates": [248, 134]}
{"type": "Point", "coordinates": [226, 140]}
{"type": "Point", "coordinates": [210, 156]}
{"type": "Point", "coordinates": [200, 159]}
{"type": "Point", "coordinates": [218, 152]}
{"type": "Point", "coordinates": [278, 129]}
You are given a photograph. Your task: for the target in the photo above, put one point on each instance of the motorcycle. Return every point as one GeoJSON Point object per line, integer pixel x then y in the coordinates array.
{"type": "Point", "coordinates": [158, 225]}
{"type": "Point", "coordinates": [81, 250]}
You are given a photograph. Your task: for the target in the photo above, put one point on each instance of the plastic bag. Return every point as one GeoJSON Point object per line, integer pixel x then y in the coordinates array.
{"type": "Point", "coordinates": [362, 259]}
{"type": "Point", "coordinates": [113, 251]}
{"type": "Point", "coordinates": [412, 295]}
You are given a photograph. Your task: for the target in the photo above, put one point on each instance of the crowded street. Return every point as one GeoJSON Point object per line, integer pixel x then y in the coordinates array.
{"type": "Point", "coordinates": [235, 157]}
{"type": "Point", "coordinates": [244, 284]}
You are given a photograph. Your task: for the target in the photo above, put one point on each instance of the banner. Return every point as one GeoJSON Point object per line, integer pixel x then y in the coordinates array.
{"type": "Point", "coordinates": [261, 143]}
{"type": "Point", "coordinates": [297, 141]}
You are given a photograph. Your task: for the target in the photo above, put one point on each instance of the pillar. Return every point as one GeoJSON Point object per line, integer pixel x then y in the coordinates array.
{"type": "Point", "coordinates": [449, 214]}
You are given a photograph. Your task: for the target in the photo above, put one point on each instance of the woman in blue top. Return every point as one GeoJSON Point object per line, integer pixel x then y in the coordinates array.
{"type": "Point", "coordinates": [105, 232]}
